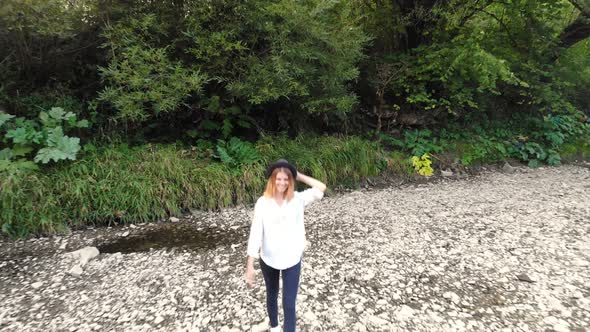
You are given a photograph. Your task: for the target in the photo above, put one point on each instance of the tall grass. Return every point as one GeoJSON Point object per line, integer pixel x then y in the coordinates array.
{"type": "Point", "coordinates": [330, 159]}
{"type": "Point", "coordinates": [151, 182]}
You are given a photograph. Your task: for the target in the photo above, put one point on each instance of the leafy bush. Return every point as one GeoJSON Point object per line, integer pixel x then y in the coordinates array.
{"type": "Point", "coordinates": [545, 137]}
{"type": "Point", "coordinates": [531, 139]}
{"type": "Point", "coordinates": [423, 165]}
{"type": "Point", "coordinates": [251, 53]}
{"type": "Point", "coordinates": [236, 153]}
{"type": "Point", "coordinates": [222, 120]}
{"type": "Point", "coordinates": [417, 142]}
{"type": "Point", "coordinates": [45, 137]}
{"type": "Point", "coordinates": [144, 81]}
{"type": "Point", "coordinates": [421, 142]}
{"type": "Point", "coordinates": [481, 148]}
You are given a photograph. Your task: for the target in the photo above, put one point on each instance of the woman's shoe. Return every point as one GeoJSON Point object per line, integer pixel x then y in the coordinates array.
{"type": "Point", "coordinates": [275, 329]}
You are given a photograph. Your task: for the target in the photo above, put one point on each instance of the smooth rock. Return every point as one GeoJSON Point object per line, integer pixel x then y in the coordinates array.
{"type": "Point", "coordinates": [508, 168]}
{"type": "Point", "coordinates": [84, 255]}
{"type": "Point", "coordinates": [76, 271]}
{"type": "Point", "coordinates": [525, 277]}
{"type": "Point", "coordinates": [404, 313]}
{"type": "Point", "coordinates": [37, 285]}
{"type": "Point", "coordinates": [446, 173]}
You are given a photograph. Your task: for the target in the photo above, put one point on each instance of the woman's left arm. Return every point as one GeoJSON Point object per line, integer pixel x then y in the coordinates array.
{"type": "Point", "coordinates": [314, 183]}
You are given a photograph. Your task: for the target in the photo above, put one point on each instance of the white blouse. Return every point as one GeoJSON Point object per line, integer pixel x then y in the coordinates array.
{"type": "Point", "coordinates": [280, 230]}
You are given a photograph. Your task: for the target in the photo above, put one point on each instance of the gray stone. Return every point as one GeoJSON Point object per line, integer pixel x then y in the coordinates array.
{"type": "Point", "coordinates": [37, 285]}
{"type": "Point", "coordinates": [446, 173]}
{"type": "Point", "coordinates": [83, 255]}
{"type": "Point", "coordinates": [508, 168]}
{"type": "Point", "coordinates": [76, 271]}
{"type": "Point", "coordinates": [404, 313]}
{"type": "Point", "coordinates": [378, 321]}
{"type": "Point", "coordinates": [525, 277]}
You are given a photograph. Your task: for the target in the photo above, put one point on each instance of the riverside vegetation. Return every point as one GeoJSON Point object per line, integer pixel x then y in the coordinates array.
{"type": "Point", "coordinates": [132, 111]}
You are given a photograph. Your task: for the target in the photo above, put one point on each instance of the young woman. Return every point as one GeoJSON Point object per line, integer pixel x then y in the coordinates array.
{"type": "Point", "coordinates": [277, 238]}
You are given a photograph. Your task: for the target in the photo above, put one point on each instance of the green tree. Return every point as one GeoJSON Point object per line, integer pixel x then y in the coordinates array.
{"type": "Point", "coordinates": [47, 44]}
{"type": "Point", "coordinates": [445, 59]}
{"type": "Point", "coordinates": [249, 54]}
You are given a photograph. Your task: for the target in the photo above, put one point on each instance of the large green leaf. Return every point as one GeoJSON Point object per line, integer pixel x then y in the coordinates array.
{"type": "Point", "coordinates": [5, 117]}
{"type": "Point", "coordinates": [59, 147]}
{"type": "Point", "coordinates": [44, 118]}
{"type": "Point", "coordinates": [18, 135]}
{"type": "Point", "coordinates": [57, 113]}
{"type": "Point", "coordinates": [25, 134]}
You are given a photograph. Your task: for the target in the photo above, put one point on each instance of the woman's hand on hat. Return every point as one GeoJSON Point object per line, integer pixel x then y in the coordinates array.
{"type": "Point", "coordinates": [308, 180]}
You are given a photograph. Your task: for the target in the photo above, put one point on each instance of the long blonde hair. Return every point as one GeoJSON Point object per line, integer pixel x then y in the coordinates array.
{"type": "Point", "coordinates": [271, 184]}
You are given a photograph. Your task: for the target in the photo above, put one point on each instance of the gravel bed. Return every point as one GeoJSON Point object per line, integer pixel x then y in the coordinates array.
{"type": "Point", "coordinates": [499, 251]}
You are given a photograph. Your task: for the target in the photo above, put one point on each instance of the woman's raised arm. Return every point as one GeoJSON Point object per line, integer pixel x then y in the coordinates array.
{"type": "Point", "coordinates": [314, 183]}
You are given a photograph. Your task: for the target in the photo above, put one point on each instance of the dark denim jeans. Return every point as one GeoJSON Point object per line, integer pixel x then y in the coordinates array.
{"type": "Point", "coordinates": [290, 288]}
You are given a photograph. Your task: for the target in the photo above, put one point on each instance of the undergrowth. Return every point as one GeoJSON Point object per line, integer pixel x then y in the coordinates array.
{"type": "Point", "coordinates": [124, 184]}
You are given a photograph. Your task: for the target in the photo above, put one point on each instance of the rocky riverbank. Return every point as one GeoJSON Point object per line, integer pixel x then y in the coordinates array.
{"type": "Point", "coordinates": [500, 251]}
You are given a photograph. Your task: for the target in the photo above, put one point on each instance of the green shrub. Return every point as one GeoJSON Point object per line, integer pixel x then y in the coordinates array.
{"type": "Point", "coordinates": [481, 149]}
{"type": "Point", "coordinates": [417, 142]}
{"type": "Point", "coordinates": [577, 149]}
{"type": "Point", "coordinates": [236, 153]}
{"type": "Point", "coordinates": [531, 139]}
{"type": "Point", "coordinates": [422, 165]}
{"type": "Point", "coordinates": [21, 137]}
{"type": "Point", "coordinates": [253, 53]}
{"type": "Point", "coordinates": [543, 137]}
{"type": "Point", "coordinates": [143, 80]}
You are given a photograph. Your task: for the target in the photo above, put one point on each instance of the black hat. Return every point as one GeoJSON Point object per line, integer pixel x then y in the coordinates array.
{"type": "Point", "coordinates": [278, 164]}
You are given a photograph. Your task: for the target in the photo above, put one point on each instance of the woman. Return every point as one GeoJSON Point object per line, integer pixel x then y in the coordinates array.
{"type": "Point", "coordinates": [278, 229]}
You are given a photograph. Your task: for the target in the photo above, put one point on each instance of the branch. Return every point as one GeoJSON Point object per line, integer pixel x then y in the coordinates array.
{"type": "Point", "coordinates": [475, 10]}
{"type": "Point", "coordinates": [575, 32]}
{"type": "Point", "coordinates": [582, 10]}
{"type": "Point", "coordinates": [503, 26]}
{"type": "Point", "coordinates": [6, 58]}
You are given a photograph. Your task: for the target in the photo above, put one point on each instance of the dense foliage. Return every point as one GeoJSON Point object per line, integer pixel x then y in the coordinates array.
{"type": "Point", "coordinates": [451, 82]}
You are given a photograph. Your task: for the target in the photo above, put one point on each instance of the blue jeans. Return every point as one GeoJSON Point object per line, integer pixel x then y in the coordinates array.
{"type": "Point", "coordinates": [290, 288]}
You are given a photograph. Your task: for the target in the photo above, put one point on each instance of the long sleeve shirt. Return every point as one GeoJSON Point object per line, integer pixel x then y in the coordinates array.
{"type": "Point", "coordinates": [278, 232]}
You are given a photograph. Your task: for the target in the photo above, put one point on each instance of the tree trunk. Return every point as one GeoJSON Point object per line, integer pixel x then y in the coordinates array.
{"type": "Point", "coordinates": [577, 31]}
